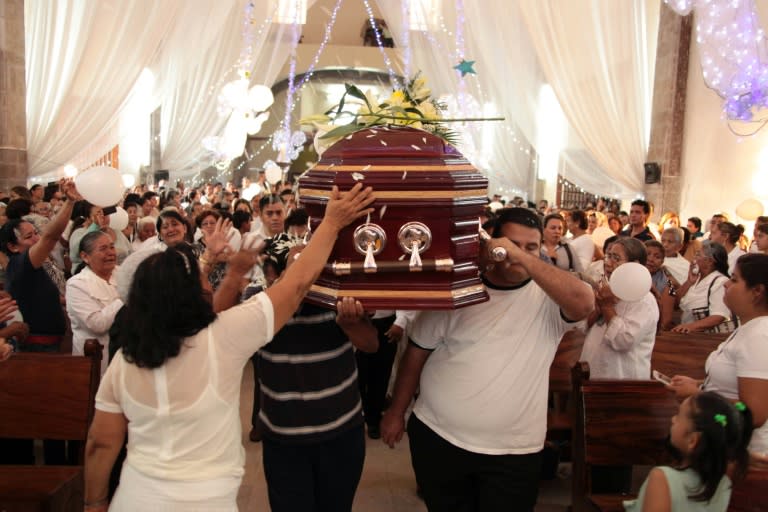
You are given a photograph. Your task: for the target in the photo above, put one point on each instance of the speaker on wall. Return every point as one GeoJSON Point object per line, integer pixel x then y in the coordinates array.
{"type": "Point", "coordinates": [160, 175]}
{"type": "Point", "coordinates": [652, 172]}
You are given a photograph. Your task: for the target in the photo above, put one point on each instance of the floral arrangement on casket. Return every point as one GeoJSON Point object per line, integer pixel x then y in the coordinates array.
{"type": "Point", "coordinates": [412, 106]}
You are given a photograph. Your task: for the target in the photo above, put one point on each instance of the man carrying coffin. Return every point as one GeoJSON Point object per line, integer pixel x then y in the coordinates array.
{"type": "Point", "coordinates": [479, 423]}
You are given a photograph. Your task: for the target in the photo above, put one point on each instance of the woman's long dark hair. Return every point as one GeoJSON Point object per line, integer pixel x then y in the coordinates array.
{"type": "Point", "coordinates": [165, 306]}
{"type": "Point", "coordinates": [725, 433]}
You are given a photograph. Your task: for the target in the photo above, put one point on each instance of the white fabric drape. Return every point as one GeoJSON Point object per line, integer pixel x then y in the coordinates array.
{"type": "Point", "coordinates": [599, 58]}
{"type": "Point", "coordinates": [82, 59]}
{"type": "Point", "coordinates": [504, 73]}
{"type": "Point", "coordinates": [189, 86]}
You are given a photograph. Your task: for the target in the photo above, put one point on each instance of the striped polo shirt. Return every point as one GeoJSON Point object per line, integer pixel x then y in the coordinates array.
{"type": "Point", "coordinates": [308, 376]}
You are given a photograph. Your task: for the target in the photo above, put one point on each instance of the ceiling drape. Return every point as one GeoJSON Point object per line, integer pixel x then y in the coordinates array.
{"type": "Point", "coordinates": [82, 60]}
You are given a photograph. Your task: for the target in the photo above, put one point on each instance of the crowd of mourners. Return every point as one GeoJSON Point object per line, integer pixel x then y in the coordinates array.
{"type": "Point", "coordinates": [201, 281]}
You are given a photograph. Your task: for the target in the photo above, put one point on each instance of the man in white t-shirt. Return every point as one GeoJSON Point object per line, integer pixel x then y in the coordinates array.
{"type": "Point", "coordinates": [479, 424]}
{"type": "Point", "coordinates": [672, 241]}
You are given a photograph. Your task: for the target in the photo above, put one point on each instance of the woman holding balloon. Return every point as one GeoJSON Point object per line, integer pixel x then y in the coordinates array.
{"type": "Point", "coordinates": [622, 329]}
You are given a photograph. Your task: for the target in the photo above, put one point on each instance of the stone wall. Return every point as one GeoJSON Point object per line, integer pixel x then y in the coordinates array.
{"type": "Point", "coordinates": [13, 128]}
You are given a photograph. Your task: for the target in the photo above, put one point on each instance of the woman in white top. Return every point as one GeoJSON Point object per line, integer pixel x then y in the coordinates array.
{"type": "Point", "coordinates": [728, 235]}
{"type": "Point", "coordinates": [92, 299]}
{"type": "Point", "coordinates": [553, 245]}
{"type": "Point", "coordinates": [738, 369]}
{"type": "Point", "coordinates": [174, 386]}
{"type": "Point", "coordinates": [621, 334]}
{"type": "Point", "coordinates": [703, 290]}
{"type": "Point", "coordinates": [581, 244]}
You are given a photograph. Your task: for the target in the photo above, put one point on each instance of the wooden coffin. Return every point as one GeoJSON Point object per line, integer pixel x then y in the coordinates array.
{"type": "Point", "coordinates": [427, 194]}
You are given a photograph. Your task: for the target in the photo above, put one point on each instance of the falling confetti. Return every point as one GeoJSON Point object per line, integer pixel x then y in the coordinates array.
{"type": "Point", "coordinates": [405, 173]}
{"type": "Point", "coordinates": [424, 139]}
{"type": "Point", "coordinates": [383, 142]}
{"type": "Point", "coordinates": [366, 167]}
{"type": "Point", "coordinates": [414, 146]}
{"type": "Point", "coordinates": [382, 211]}
{"type": "Point", "coordinates": [357, 176]}
{"type": "Point", "coordinates": [401, 258]}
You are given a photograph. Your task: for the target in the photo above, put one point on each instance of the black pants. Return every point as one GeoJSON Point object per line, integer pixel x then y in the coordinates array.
{"type": "Point", "coordinates": [373, 372]}
{"type": "Point", "coordinates": [452, 479]}
{"type": "Point", "coordinates": [320, 477]}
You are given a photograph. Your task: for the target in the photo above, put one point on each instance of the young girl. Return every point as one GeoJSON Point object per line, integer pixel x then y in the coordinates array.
{"type": "Point", "coordinates": [707, 433]}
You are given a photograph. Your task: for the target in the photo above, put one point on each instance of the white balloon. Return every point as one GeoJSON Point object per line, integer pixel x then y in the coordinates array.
{"type": "Point", "coordinates": [273, 174]}
{"type": "Point", "coordinates": [630, 281]}
{"type": "Point", "coordinates": [260, 98]}
{"type": "Point", "coordinates": [118, 220]}
{"type": "Point", "coordinates": [232, 142]}
{"type": "Point", "coordinates": [750, 209]}
{"type": "Point", "coordinates": [102, 186]}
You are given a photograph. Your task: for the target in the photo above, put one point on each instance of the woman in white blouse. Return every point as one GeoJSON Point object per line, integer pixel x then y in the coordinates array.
{"type": "Point", "coordinates": [174, 386]}
{"type": "Point", "coordinates": [92, 299]}
{"type": "Point", "coordinates": [702, 293]}
{"type": "Point", "coordinates": [621, 334]}
{"type": "Point", "coordinates": [738, 369]}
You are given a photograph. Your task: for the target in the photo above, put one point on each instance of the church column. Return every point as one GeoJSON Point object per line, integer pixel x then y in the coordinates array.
{"type": "Point", "coordinates": [669, 93]}
{"type": "Point", "coordinates": [13, 124]}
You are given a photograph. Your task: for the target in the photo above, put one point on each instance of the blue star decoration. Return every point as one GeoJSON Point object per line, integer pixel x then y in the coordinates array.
{"type": "Point", "coordinates": [465, 67]}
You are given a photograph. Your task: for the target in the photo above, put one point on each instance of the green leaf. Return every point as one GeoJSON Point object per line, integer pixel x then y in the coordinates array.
{"type": "Point", "coordinates": [355, 92]}
{"type": "Point", "coordinates": [341, 131]}
{"type": "Point", "coordinates": [341, 104]}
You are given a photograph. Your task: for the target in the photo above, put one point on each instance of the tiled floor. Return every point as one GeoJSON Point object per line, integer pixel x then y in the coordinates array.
{"type": "Point", "coordinates": [387, 484]}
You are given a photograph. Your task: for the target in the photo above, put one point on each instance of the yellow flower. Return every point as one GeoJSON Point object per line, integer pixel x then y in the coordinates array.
{"type": "Point", "coordinates": [428, 110]}
{"type": "Point", "coordinates": [397, 99]}
{"type": "Point", "coordinates": [419, 90]}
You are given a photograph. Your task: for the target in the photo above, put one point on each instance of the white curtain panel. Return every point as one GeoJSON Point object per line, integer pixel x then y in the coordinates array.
{"type": "Point", "coordinates": [599, 57]}
{"type": "Point", "coordinates": [501, 73]}
{"type": "Point", "coordinates": [82, 59]}
{"type": "Point", "coordinates": [192, 72]}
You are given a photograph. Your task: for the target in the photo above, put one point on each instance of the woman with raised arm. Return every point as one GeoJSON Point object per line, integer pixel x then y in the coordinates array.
{"type": "Point", "coordinates": [175, 383]}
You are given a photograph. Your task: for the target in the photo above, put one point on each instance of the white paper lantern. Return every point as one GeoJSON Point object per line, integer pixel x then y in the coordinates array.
{"type": "Point", "coordinates": [102, 186]}
{"type": "Point", "coordinates": [118, 220]}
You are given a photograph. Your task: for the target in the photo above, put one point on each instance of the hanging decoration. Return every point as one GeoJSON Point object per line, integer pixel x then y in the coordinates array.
{"type": "Point", "coordinates": [465, 67]}
{"type": "Point", "coordinates": [734, 55]}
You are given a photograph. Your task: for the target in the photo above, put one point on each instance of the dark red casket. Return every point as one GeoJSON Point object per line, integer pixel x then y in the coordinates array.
{"type": "Point", "coordinates": [428, 197]}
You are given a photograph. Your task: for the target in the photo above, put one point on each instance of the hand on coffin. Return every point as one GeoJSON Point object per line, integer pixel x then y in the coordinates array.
{"type": "Point", "coordinates": [343, 208]}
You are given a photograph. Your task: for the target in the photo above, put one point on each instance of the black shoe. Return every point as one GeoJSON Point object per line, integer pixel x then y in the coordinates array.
{"type": "Point", "coordinates": [374, 432]}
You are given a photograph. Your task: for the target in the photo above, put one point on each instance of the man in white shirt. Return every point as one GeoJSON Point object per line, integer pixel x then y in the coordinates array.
{"type": "Point", "coordinates": [479, 424]}
{"type": "Point", "coordinates": [676, 265]}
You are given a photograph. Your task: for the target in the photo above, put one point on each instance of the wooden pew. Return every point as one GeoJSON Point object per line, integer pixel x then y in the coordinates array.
{"type": "Point", "coordinates": [560, 413]}
{"type": "Point", "coordinates": [617, 422]}
{"type": "Point", "coordinates": [684, 353]}
{"type": "Point", "coordinates": [47, 396]}
{"type": "Point", "coordinates": [751, 493]}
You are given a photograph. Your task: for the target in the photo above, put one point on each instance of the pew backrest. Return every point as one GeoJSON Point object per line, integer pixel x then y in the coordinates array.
{"type": "Point", "coordinates": [48, 396]}
{"type": "Point", "coordinates": [617, 422]}
{"type": "Point", "coordinates": [684, 353]}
